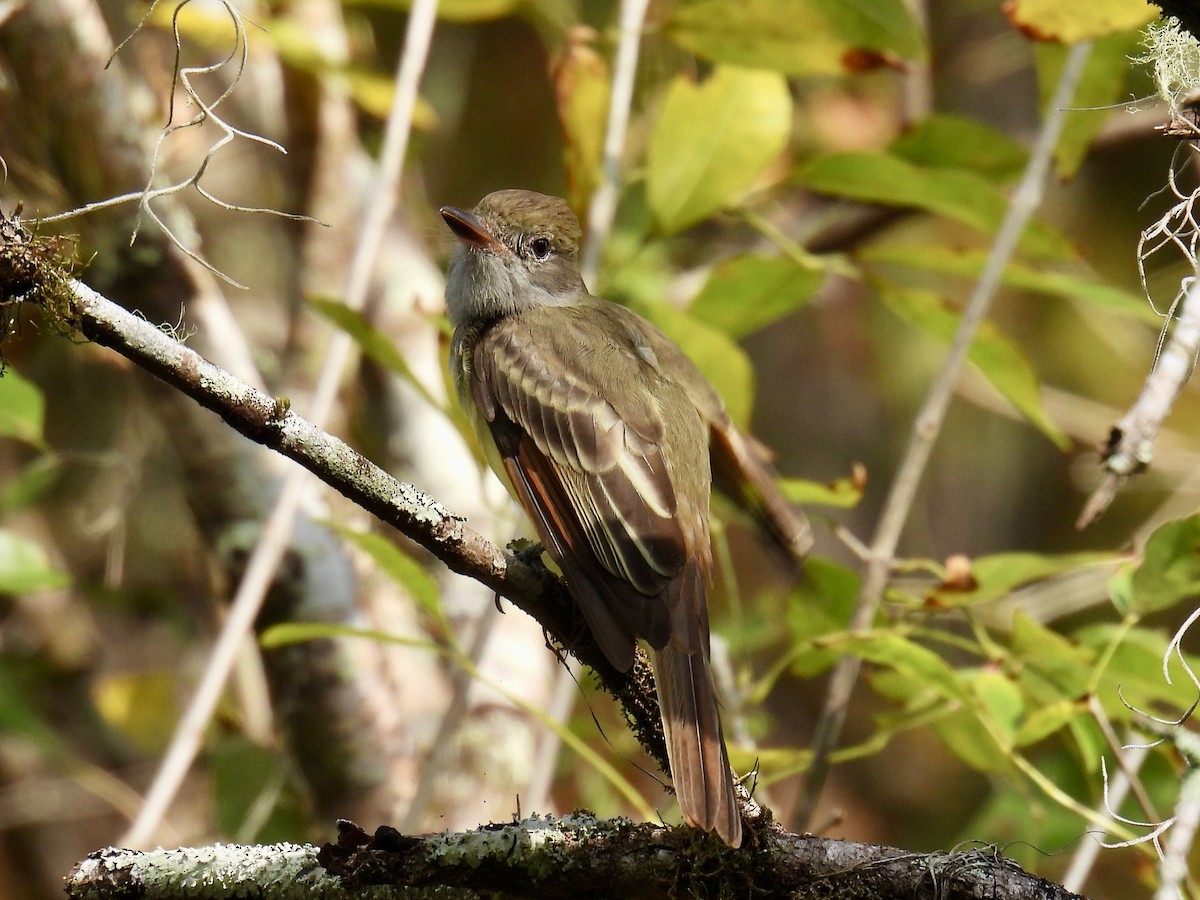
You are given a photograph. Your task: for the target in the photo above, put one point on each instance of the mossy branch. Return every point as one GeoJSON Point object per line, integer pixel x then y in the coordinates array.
{"type": "Point", "coordinates": [569, 857]}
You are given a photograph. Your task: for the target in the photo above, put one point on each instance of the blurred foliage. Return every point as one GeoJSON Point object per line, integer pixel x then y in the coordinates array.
{"type": "Point", "coordinates": [805, 215]}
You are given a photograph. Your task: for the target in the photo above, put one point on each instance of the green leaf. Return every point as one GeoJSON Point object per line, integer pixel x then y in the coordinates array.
{"type": "Point", "coordinates": [969, 739]}
{"type": "Point", "coordinates": [253, 800]}
{"type": "Point", "coordinates": [999, 704]}
{"type": "Point", "coordinates": [31, 483]}
{"type": "Point", "coordinates": [373, 342]}
{"type": "Point", "coordinates": [400, 567]}
{"type": "Point", "coordinates": [998, 359]}
{"type": "Point", "coordinates": [1050, 667]}
{"type": "Point", "coordinates": [1133, 674]}
{"type": "Point", "coordinates": [1001, 574]}
{"type": "Point", "coordinates": [797, 37]}
{"type": "Point", "coordinates": [842, 494]}
{"type": "Point", "coordinates": [748, 292]}
{"type": "Point", "coordinates": [834, 587]}
{"type": "Point", "coordinates": [286, 634]}
{"type": "Point", "coordinates": [821, 603]}
{"type": "Point", "coordinates": [454, 10]}
{"type": "Point", "coordinates": [969, 263]}
{"type": "Point", "coordinates": [1120, 588]}
{"type": "Point", "coordinates": [20, 715]}
{"type": "Point", "coordinates": [22, 408]}
{"type": "Point", "coordinates": [920, 665]}
{"type": "Point", "coordinates": [24, 568]}
{"type": "Point", "coordinates": [955, 142]}
{"type": "Point", "coordinates": [722, 361]}
{"type": "Point", "coordinates": [1044, 721]}
{"type": "Point", "coordinates": [964, 197]}
{"type": "Point", "coordinates": [712, 141]}
{"type": "Point", "coordinates": [1101, 84]}
{"type": "Point", "coordinates": [1169, 572]}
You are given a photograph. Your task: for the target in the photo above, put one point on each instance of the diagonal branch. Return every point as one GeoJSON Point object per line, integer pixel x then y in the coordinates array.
{"type": "Point", "coordinates": [269, 421]}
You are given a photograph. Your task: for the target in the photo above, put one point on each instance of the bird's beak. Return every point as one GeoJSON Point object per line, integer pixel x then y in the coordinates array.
{"type": "Point", "coordinates": [470, 229]}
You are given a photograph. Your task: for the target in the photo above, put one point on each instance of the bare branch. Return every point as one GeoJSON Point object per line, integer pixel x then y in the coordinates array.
{"type": "Point", "coordinates": [238, 56]}
{"type": "Point", "coordinates": [1131, 442]}
{"type": "Point", "coordinates": [603, 206]}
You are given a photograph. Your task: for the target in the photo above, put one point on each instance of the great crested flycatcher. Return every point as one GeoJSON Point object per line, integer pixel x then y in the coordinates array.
{"type": "Point", "coordinates": [604, 428]}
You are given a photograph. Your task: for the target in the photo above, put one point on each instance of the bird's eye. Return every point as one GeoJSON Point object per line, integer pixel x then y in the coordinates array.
{"type": "Point", "coordinates": [540, 247]}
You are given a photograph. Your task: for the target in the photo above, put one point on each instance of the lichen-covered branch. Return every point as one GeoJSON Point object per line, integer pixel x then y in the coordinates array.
{"type": "Point", "coordinates": [27, 273]}
{"type": "Point", "coordinates": [575, 856]}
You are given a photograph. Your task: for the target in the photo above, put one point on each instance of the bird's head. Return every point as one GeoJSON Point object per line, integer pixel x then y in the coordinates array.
{"type": "Point", "coordinates": [516, 249]}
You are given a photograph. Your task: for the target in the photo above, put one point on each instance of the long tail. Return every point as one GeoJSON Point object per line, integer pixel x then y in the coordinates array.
{"type": "Point", "coordinates": [695, 745]}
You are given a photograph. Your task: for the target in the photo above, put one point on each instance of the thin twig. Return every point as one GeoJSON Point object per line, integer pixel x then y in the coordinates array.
{"type": "Point", "coordinates": [1173, 870]}
{"type": "Point", "coordinates": [928, 424]}
{"type": "Point", "coordinates": [603, 207]}
{"type": "Point", "coordinates": [272, 544]}
{"type": "Point", "coordinates": [238, 57]}
{"type": "Point", "coordinates": [1131, 443]}
{"type": "Point", "coordinates": [1129, 761]}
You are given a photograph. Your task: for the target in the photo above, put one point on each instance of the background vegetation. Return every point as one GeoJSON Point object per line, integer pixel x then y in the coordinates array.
{"type": "Point", "coordinates": [805, 198]}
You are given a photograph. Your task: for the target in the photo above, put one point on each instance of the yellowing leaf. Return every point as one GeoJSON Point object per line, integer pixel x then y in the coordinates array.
{"type": "Point", "coordinates": [581, 91]}
{"type": "Point", "coordinates": [1051, 20]}
{"type": "Point", "coordinates": [142, 706]}
{"type": "Point", "coordinates": [797, 37]}
{"type": "Point", "coordinates": [712, 141]}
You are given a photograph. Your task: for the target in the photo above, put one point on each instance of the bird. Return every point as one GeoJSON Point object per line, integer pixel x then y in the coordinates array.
{"type": "Point", "coordinates": [610, 438]}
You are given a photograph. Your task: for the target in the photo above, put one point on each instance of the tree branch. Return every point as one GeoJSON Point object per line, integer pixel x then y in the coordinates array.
{"type": "Point", "coordinates": [30, 271]}
{"type": "Point", "coordinates": [575, 856]}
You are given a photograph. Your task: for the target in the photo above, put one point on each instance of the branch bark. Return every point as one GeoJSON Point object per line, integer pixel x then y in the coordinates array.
{"type": "Point", "coordinates": [575, 856]}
